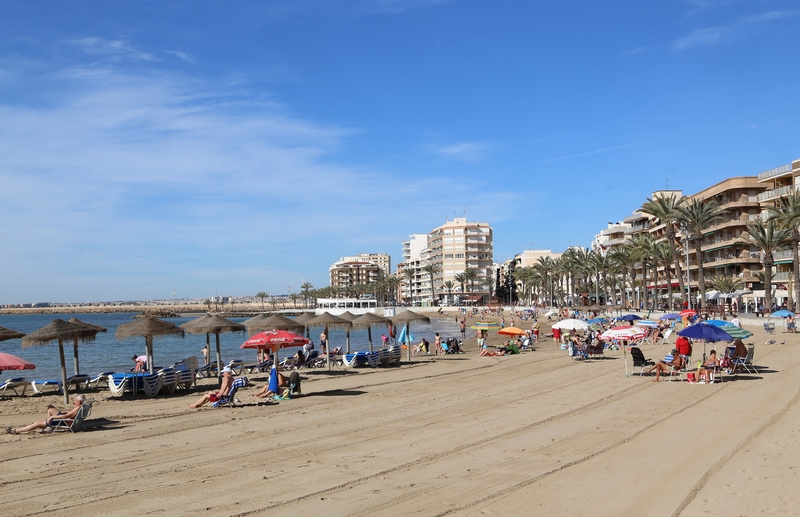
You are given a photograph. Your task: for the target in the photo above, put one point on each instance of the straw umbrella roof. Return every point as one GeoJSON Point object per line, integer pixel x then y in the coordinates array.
{"type": "Point", "coordinates": [347, 315]}
{"type": "Point", "coordinates": [59, 329]}
{"type": "Point", "coordinates": [407, 316]}
{"type": "Point", "coordinates": [365, 320]}
{"type": "Point", "coordinates": [305, 318]}
{"type": "Point", "coordinates": [329, 320]}
{"type": "Point", "coordinates": [98, 328]}
{"type": "Point", "coordinates": [147, 326]}
{"type": "Point", "coordinates": [273, 321]}
{"type": "Point", "coordinates": [9, 334]}
{"type": "Point", "coordinates": [212, 323]}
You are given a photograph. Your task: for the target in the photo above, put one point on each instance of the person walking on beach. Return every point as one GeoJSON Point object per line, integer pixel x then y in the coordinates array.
{"type": "Point", "coordinates": [463, 327]}
{"type": "Point", "coordinates": [323, 343]}
{"type": "Point", "coordinates": [438, 343]}
{"type": "Point", "coordinates": [53, 413]}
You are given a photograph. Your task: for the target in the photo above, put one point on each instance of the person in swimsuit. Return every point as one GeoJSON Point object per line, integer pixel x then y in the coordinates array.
{"type": "Point", "coordinates": [53, 413]}
{"type": "Point", "coordinates": [213, 396]}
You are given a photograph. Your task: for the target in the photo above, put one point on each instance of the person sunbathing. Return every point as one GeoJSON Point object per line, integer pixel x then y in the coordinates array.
{"type": "Point", "coordinates": [53, 414]}
{"type": "Point", "coordinates": [664, 366]}
{"type": "Point", "coordinates": [213, 396]}
{"type": "Point", "coordinates": [265, 392]}
{"type": "Point", "coordinates": [705, 373]}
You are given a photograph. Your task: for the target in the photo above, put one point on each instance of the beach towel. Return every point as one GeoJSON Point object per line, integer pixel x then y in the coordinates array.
{"type": "Point", "coordinates": [402, 337]}
{"type": "Point", "coordinates": [273, 380]}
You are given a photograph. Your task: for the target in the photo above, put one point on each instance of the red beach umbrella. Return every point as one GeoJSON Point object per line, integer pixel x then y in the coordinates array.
{"type": "Point", "coordinates": [688, 313]}
{"type": "Point", "coordinates": [274, 340]}
{"type": "Point", "coordinates": [12, 362]}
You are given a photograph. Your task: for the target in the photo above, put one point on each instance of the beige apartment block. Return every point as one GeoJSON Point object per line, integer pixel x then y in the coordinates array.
{"type": "Point", "coordinates": [458, 245]}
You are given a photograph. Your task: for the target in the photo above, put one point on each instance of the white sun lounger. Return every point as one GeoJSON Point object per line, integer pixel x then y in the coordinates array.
{"type": "Point", "coordinates": [13, 384]}
{"type": "Point", "coordinates": [39, 386]}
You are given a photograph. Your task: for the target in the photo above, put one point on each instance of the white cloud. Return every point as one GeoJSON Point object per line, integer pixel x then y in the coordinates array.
{"type": "Point", "coordinates": [464, 151]}
{"type": "Point", "coordinates": [120, 49]}
{"type": "Point", "coordinates": [183, 56]}
{"type": "Point", "coordinates": [728, 33]}
{"type": "Point", "coordinates": [588, 153]}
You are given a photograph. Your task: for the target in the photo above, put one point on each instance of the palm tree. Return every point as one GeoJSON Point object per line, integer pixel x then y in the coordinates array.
{"type": "Point", "coordinates": [410, 274]}
{"type": "Point", "coordinates": [470, 275]}
{"type": "Point", "coordinates": [432, 269]}
{"type": "Point", "coordinates": [641, 246]}
{"type": "Point", "coordinates": [666, 210]}
{"type": "Point", "coordinates": [525, 277]}
{"type": "Point", "coordinates": [699, 216]}
{"type": "Point", "coordinates": [294, 297]}
{"type": "Point", "coordinates": [663, 257]}
{"type": "Point", "coordinates": [546, 267]}
{"type": "Point", "coordinates": [263, 296]}
{"type": "Point", "coordinates": [305, 291]}
{"type": "Point", "coordinates": [768, 238]}
{"type": "Point", "coordinates": [623, 258]}
{"type": "Point", "coordinates": [208, 304]}
{"type": "Point", "coordinates": [392, 282]}
{"type": "Point", "coordinates": [787, 215]}
{"type": "Point", "coordinates": [449, 285]}
{"type": "Point", "coordinates": [460, 280]}
{"type": "Point", "coordinates": [488, 282]}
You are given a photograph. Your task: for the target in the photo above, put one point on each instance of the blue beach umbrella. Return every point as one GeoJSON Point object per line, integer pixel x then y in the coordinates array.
{"type": "Point", "coordinates": [273, 379]}
{"type": "Point", "coordinates": [783, 313]}
{"type": "Point", "coordinates": [671, 316]}
{"type": "Point", "coordinates": [629, 317]}
{"type": "Point", "coordinates": [720, 323]}
{"type": "Point", "coordinates": [705, 332]}
{"type": "Point", "coordinates": [595, 321]}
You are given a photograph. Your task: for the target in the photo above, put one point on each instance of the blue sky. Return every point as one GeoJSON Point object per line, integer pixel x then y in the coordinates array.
{"type": "Point", "coordinates": [232, 147]}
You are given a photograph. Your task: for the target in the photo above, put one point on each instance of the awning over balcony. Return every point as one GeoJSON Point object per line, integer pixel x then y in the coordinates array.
{"type": "Point", "coordinates": [663, 286]}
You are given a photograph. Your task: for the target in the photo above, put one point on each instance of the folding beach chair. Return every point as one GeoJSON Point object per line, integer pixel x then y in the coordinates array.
{"type": "Point", "coordinates": [74, 424]}
{"type": "Point", "coordinates": [639, 360]}
{"type": "Point", "coordinates": [230, 398]}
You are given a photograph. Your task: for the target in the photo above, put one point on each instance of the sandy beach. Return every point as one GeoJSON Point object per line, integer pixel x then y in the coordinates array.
{"type": "Point", "coordinates": [533, 434]}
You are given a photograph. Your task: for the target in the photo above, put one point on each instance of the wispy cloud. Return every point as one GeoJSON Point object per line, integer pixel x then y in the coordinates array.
{"type": "Point", "coordinates": [183, 56]}
{"type": "Point", "coordinates": [120, 49]}
{"type": "Point", "coordinates": [728, 33]}
{"type": "Point", "coordinates": [397, 6]}
{"type": "Point", "coordinates": [464, 151]}
{"type": "Point", "coordinates": [589, 153]}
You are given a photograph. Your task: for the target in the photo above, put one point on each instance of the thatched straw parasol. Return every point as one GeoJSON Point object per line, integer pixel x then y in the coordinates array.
{"type": "Point", "coordinates": [60, 330]}
{"type": "Point", "coordinates": [6, 334]}
{"type": "Point", "coordinates": [303, 319]}
{"type": "Point", "coordinates": [213, 324]}
{"type": "Point", "coordinates": [271, 322]}
{"type": "Point", "coordinates": [148, 327]}
{"type": "Point", "coordinates": [76, 321]}
{"type": "Point", "coordinates": [367, 320]}
{"type": "Point", "coordinates": [407, 317]}
{"type": "Point", "coordinates": [349, 316]}
{"type": "Point", "coordinates": [326, 319]}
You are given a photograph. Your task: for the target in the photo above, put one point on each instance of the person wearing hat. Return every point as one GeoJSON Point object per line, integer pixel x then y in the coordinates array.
{"type": "Point", "coordinates": [224, 389]}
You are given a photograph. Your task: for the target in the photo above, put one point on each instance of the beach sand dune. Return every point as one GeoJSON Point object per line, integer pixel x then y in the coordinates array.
{"type": "Point", "coordinates": [536, 434]}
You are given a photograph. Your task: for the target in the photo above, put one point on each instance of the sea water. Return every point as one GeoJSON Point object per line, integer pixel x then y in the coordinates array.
{"type": "Point", "coordinates": [106, 353]}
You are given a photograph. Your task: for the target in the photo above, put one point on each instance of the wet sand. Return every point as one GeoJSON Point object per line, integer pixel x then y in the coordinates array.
{"type": "Point", "coordinates": [534, 434]}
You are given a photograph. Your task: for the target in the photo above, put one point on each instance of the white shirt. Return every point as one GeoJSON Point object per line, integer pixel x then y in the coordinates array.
{"type": "Point", "coordinates": [736, 322]}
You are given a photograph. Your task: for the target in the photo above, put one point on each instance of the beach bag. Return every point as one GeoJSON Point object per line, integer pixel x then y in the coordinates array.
{"type": "Point", "coordinates": [690, 377]}
{"type": "Point", "coordinates": [726, 362]}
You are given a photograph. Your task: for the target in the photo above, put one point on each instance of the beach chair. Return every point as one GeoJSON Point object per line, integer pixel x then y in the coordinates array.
{"type": "Point", "coordinates": [79, 382]}
{"type": "Point", "coordinates": [169, 381]}
{"type": "Point", "coordinates": [209, 370]}
{"type": "Point", "coordinates": [259, 367]}
{"type": "Point", "coordinates": [13, 384]}
{"type": "Point", "coordinates": [747, 362]}
{"type": "Point", "coordinates": [100, 378]}
{"type": "Point", "coordinates": [118, 383]}
{"type": "Point", "coordinates": [664, 340]}
{"type": "Point", "coordinates": [186, 373]}
{"type": "Point", "coordinates": [639, 360]}
{"type": "Point", "coordinates": [668, 359]}
{"type": "Point", "coordinates": [359, 359]}
{"type": "Point", "coordinates": [40, 386]}
{"type": "Point", "coordinates": [769, 328]}
{"type": "Point", "coordinates": [152, 384]}
{"type": "Point", "coordinates": [74, 424]}
{"type": "Point", "coordinates": [230, 398]}
{"type": "Point", "coordinates": [292, 389]}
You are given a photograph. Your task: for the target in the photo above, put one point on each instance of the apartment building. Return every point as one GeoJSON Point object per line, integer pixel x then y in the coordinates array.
{"type": "Point", "coordinates": [382, 260]}
{"type": "Point", "coordinates": [459, 245]}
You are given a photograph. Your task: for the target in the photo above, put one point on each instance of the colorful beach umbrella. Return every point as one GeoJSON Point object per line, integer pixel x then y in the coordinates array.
{"type": "Point", "coordinates": [511, 331]}
{"type": "Point", "coordinates": [688, 313]}
{"type": "Point", "coordinates": [633, 333]}
{"type": "Point", "coordinates": [783, 313]}
{"type": "Point", "coordinates": [647, 323]}
{"type": "Point", "coordinates": [671, 316]}
{"type": "Point", "coordinates": [736, 332]}
{"type": "Point", "coordinates": [12, 362]}
{"type": "Point", "coordinates": [485, 325]}
{"type": "Point", "coordinates": [705, 332]}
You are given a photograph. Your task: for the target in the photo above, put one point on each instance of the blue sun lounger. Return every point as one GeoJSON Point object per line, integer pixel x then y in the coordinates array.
{"type": "Point", "coordinates": [13, 384]}
{"type": "Point", "coordinates": [362, 359]}
{"type": "Point", "coordinates": [39, 386]}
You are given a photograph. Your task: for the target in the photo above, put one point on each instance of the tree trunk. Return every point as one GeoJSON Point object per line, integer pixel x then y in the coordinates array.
{"type": "Point", "coordinates": [768, 262]}
{"type": "Point", "coordinates": [701, 279]}
{"type": "Point", "coordinates": [674, 250]}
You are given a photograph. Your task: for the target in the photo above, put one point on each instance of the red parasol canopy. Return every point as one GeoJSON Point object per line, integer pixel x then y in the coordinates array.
{"type": "Point", "coordinates": [275, 339]}
{"type": "Point", "coordinates": [12, 362]}
{"type": "Point", "coordinates": [688, 312]}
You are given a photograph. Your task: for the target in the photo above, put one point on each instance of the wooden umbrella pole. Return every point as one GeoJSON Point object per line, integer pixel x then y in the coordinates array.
{"type": "Point", "coordinates": [63, 372]}
{"type": "Point", "coordinates": [219, 361]}
{"type": "Point", "coordinates": [328, 347]}
{"type": "Point", "coordinates": [75, 356]}
{"type": "Point", "coordinates": [369, 333]}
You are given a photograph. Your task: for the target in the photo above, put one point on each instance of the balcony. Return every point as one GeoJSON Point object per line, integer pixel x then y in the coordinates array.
{"type": "Point", "coordinates": [781, 277]}
{"type": "Point", "coordinates": [774, 193]}
{"type": "Point", "coordinates": [636, 216]}
{"type": "Point", "coordinates": [777, 172]}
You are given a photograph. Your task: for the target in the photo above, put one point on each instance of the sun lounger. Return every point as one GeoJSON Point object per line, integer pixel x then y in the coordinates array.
{"type": "Point", "coordinates": [169, 381]}
{"type": "Point", "coordinates": [209, 370]}
{"type": "Point", "coordinates": [100, 378]}
{"type": "Point", "coordinates": [258, 368]}
{"type": "Point", "coordinates": [361, 359]}
{"type": "Point", "coordinates": [40, 386]}
{"type": "Point", "coordinates": [13, 384]}
{"type": "Point", "coordinates": [152, 384]}
{"type": "Point", "coordinates": [80, 382]}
